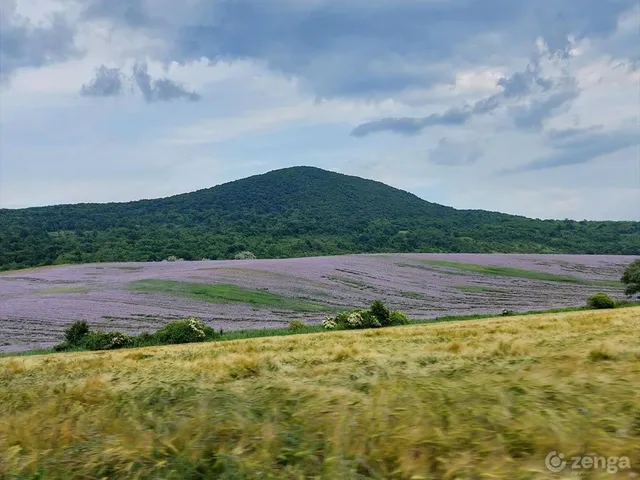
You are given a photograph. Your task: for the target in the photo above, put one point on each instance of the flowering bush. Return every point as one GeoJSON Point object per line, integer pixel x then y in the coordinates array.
{"type": "Point", "coordinates": [182, 331]}
{"type": "Point", "coordinates": [377, 316]}
{"type": "Point", "coordinates": [354, 320]}
{"type": "Point", "coordinates": [106, 340]}
{"type": "Point", "coordinates": [330, 323]}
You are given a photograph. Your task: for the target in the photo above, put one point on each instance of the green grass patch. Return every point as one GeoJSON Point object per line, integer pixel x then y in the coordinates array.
{"type": "Point", "coordinates": [478, 289]}
{"type": "Point", "coordinates": [349, 281]}
{"type": "Point", "coordinates": [516, 273]}
{"type": "Point", "coordinates": [268, 332]}
{"type": "Point", "coordinates": [416, 295]}
{"type": "Point", "coordinates": [78, 289]}
{"type": "Point", "coordinates": [224, 293]}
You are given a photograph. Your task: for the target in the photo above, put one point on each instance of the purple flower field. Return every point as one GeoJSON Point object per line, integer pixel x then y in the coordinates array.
{"type": "Point", "coordinates": [36, 305]}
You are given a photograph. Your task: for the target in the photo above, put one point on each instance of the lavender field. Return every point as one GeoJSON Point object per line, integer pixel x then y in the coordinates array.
{"type": "Point", "coordinates": [37, 304]}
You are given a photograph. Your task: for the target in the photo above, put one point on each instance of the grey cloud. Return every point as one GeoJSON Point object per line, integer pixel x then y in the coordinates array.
{"type": "Point", "coordinates": [159, 90]}
{"type": "Point", "coordinates": [452, 153]}
{"type": "Point", "coordinates": [574, 146]}
{"type": "Point", "coordinates": [413, 126]}
{"type": "Point", "coordinates": [336, 48]}
{"type": "Point", "coordinates": [23, 44]}
{"type": "Point", "coordinates": [522, 83]}
{"type": "Point", "coordinates": [531, 116]}
{"type": "Point", "coordinates": [557, 136]}
{"type": "Point", "coordinates": [517, 86]}
{"type": "Point", "coordinates": [108, 82]}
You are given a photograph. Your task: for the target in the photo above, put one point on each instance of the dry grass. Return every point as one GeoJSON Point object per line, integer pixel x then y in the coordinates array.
{"type": "Point", "coordinates": [474, 399]}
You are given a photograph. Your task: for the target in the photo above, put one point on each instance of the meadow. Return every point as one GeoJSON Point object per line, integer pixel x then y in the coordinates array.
{"type": "Point", "coordinates": [37, 304]}
{"type": "Point", "coordinates": [474, 399]}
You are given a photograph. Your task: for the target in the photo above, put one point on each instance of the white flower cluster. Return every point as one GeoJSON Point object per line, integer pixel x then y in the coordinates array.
{"type": "Point", "coordinates": [354, 320]}
{"type": "Point", "coordinates": [118, 340]}
{"type": "Point", "coordinates": [329, 323]}
{"type": "Point", "coordinates": [197, 326]}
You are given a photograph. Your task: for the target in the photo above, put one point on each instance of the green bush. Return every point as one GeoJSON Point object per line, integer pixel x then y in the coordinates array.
{"type": "Point", "coordinates": [601, 300]}
{"type": "Point", "coordinates": [107, 341]}
{"type": "Point", "coordinates": [62, 347]}
{"type": "Point", "coordinates": [631, 278]}
{"type": "Point", "coordinates": [380, 312]}
{"type": "Point", "coordinates": [244, 256]}
{"type": "Point", "coordinates": [296, 326]}
{"type": "Point", "coordinates": [378, 315]}
{"type": "Point", "coordinates": [188, 330]}
{"type": "Point", "coordinates": [398, 318]}
{"type": "Point", "coordinates": [76, 333]}
{"type": "Point", "coordinates": [145, 339]}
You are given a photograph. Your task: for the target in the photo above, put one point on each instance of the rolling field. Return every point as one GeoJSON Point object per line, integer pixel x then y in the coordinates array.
{"type": "Point", "coordinates": [37, 304]}
{"type": "Point", "coordinates": [474, 399]}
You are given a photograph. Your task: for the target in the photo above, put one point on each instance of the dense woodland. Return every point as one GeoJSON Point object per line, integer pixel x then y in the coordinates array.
{"type": "Point", "coordinates": [299, 211]}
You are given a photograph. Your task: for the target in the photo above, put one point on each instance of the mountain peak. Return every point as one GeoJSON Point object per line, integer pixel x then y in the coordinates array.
{"type": "Point", "coordinates": [295, 211]}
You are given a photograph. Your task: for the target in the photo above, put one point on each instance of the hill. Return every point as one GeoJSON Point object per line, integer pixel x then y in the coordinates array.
{"type": "Point", "coordinates": [298, 211]}
{"type": "Point", "coordinates": [488, 398]}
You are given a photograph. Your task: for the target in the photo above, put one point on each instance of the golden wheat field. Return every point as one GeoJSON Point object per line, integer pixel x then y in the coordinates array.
{"type": "Point", "coordinates": [465, 400]}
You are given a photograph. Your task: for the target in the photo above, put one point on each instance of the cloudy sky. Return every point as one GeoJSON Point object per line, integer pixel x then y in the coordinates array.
{"type": "Point", "coordinates": [526, 107]}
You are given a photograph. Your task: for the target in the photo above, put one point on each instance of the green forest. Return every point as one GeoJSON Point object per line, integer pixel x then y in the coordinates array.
{"type": "Point", "coordinates": [292, 212]}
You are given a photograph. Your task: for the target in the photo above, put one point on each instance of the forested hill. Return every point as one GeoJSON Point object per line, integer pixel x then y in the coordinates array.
{"type": "Point", "coordinates": [296, 211]}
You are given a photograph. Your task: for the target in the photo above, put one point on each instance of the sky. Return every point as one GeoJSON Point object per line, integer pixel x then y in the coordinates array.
{"type": "Point", "coordinates": [524, 107]}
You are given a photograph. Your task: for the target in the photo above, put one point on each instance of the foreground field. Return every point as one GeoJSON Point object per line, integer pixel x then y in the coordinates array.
{"type": "Point", "coordinates": [475, 399]}
{"type": "Point", "coordinates": [37, 304]}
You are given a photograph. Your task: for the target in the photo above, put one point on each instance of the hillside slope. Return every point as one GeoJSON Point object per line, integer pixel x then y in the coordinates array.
{"type": "Point", "coordinates": [473, 399]}
{"type": "Point", "coordinates": [296, 211]}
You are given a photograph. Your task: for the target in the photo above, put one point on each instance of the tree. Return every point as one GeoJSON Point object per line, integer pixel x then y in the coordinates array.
{"type": "Point", "coordinates": [631, 278]}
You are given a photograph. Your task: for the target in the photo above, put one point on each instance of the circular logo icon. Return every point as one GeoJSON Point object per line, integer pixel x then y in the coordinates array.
{"type": "Point", "coordinates": [555, 462]}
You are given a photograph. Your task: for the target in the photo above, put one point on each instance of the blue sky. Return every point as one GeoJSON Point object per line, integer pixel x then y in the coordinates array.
{"type": "Point", "coordinates": [531, 108]}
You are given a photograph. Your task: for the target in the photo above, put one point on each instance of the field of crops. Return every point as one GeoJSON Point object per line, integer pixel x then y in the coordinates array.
{"type": "Point", "coordinates": [473, 399]}
{"type": "Point", "coordinates": [36, 304]}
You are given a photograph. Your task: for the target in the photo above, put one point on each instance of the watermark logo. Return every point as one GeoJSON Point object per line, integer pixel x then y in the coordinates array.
{"type": "Point", "coordinates": [557, 461]}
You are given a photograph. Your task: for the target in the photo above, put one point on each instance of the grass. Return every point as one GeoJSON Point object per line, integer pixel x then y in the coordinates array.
{"type": "Point", "coordinates": [352, 282]}
{"type": "Point", "coordinates": [519, 273]}
{"type": "Point", "coordinates": [474, 399]}
{"type": "Point", "coordinates": [77, 289]}
{"type": "Point", "coordinates": [478, 289]}
{"type": "Point", "coordinates": [223, 293]}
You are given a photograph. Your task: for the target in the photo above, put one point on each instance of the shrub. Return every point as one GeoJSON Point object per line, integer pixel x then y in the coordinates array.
{"type": "Point", "coordinates": [354, 320]}
{"type": "Point", "coordinates": [245, 256]}
{"type": "Point", "coordinates": [398, 318]}
{"type": "Point", "coordinates": [107, 341]}
{"type": "Point", "coordinates": [62, 347]}
{"type": "Point", "coordinates": [76, 333]}
{"type": "Point", "coordinates": [601, 300]}
{"type": "Point", "coordinates": [183, 331]}
{"type": "Point", "coordinates": [330, 323]}
{"type": "Point", "coordinates": [631, 278]}
{"type": "Point", "coordinates": [378, 315]}
{"type": "Point", "coordinates": [144, 339]}
{"type": "Point", "coordinates": [380, 312]}
{"type": "Point", "coordinates": [296, 326]}
{"type": "Point", "coordinates": [369, 320]}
